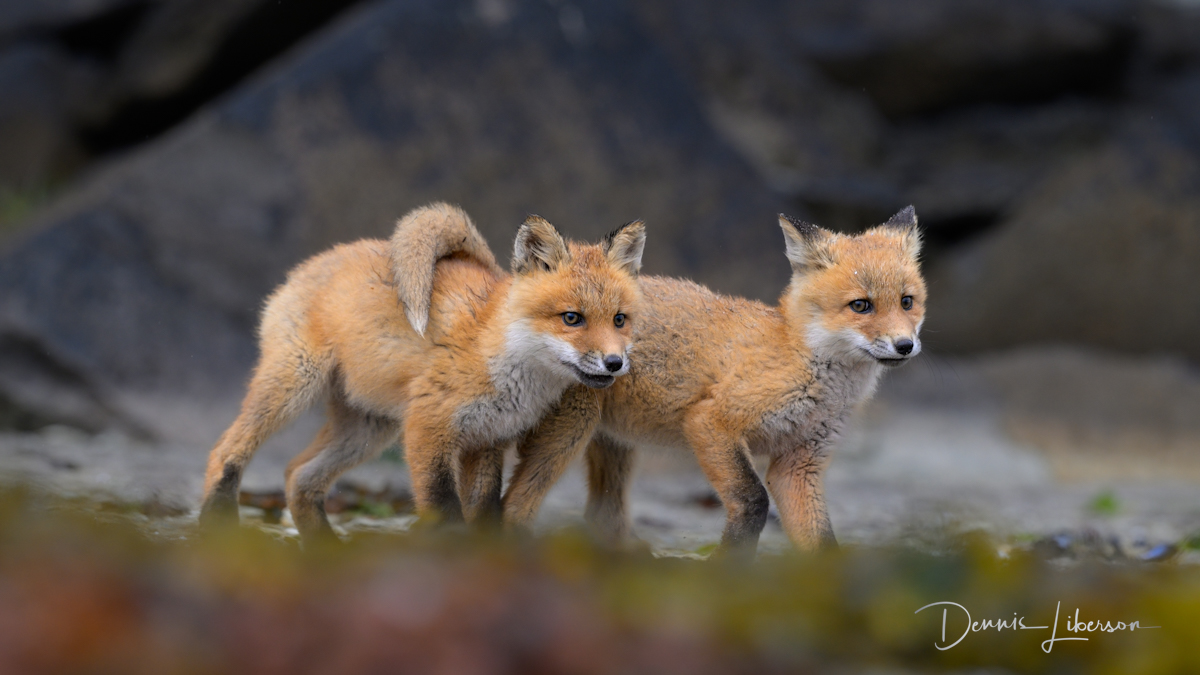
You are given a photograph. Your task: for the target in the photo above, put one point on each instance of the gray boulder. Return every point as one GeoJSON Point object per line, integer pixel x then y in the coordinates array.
{"type": "Point", "coordinates": [918, 58]}
{"type": "Point", "coordinates": [44, 89]}
{"type": "Point", "coordinates": [966, 170]}
{"type": "Point", "coordinates": [811, 139]}
{"type": "Point", "coordinates": [25, 16]}
{"type": "Point", "coordinates": [856, 108]}
{"type": "Point", "coordinates": [1102, 252]}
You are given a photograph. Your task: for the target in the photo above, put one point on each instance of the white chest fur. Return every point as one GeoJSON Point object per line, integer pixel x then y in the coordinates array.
{"type": "Point", "coordinates": [813, 416]}
{"type": "Point", "coordinates": [525, 384]}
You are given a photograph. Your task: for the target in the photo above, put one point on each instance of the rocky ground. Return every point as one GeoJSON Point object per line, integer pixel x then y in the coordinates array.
{"type": "Point", "coordinates": [948, 446]}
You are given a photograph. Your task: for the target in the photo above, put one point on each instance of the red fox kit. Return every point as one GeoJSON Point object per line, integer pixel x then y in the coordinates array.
{"type": "Point", "coordinates": [727, 377]}
{"type": "Point", "coordinates": [425, 336]}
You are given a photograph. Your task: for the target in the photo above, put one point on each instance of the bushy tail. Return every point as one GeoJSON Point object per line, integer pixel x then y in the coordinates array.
{"type": "Point", "coordinates": [422, 237]}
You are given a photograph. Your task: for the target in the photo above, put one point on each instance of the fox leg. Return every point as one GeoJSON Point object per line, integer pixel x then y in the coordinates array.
{"type": "Point", "coordinates": [430, 447]}
{"type": "Point", "coordinates": [279, 391]}
{"type": "Point", "coordinates": [610, 463]}
{"type": "Point", "coordinates": [480, 481]}
{"type": "Point", "coordinates": [348, 438]}
{"type": "Point", "coordinates": [546, 452]}
{"type": "Point", "coordinates": [319, 442]}
{"type": "Point", "coordinates": [795, 481]}
{"type": "Point", "coordinates": [725, 459]}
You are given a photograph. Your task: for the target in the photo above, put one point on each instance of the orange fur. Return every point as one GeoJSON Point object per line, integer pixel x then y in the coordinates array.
{"type": "Point", "coordinates": [727, 377]}
{"type": "Point", "coordinates": [495, 356]}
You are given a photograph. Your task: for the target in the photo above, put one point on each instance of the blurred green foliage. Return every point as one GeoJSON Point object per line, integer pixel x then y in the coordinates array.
{"type": "Point", "coordinates": [1105, 504]}
{"type": "Point", "coordinates": [375, 509]}
{"type": "Point", "coordinates": [18, 203]}
{"type": "Point", "coordinates": [88, 591]}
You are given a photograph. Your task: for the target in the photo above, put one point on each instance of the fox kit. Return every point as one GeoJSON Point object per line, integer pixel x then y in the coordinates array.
{"type": "Point", "coordinates": [727, 377]}
{"type": "Point", "coordinates": [424, 335]}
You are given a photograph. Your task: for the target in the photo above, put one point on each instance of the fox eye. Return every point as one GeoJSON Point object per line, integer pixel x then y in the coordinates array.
{"type": "Point", "coordinates": [906, 302]}
{"type": "Point", "coordinates": [860, 306]}
{"type": "Point", "coordinates": [572, 318]}
{"type": "Point", "coordinates": [619, 321]}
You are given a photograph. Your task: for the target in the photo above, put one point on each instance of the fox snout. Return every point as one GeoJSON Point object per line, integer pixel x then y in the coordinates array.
{"type": "Point", "coordinates": [599, 370]}
{"type": "Point", "coordinates": [893, 351]}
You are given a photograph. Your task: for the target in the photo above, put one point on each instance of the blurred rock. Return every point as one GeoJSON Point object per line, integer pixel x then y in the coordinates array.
{"type": "Point", "coordinates": [857, 108]}
{"type": "Point", "coordinates": [810, 138]}
{"type": "Point", "coordinates": [120, 73]}
{"type": "Point", "coordinates": [24, 16]}
{"type": "Point", "coordinates": [1087, 544]}
{"type": "Point", "coordinates": [1102, 252]}
{"type": "Point", "coordinates": [965, 170]}
{"type": "Point", "coordinates": [1170, 33]}
{"type": "Point", "coordinates": [917, 58]}
{"type": "Point", "coordinates": [175, 42]}
{"type": "Point", "coordinates": [185, 53]}
{"type": "Point", "coordinates": [43, 91]}
{"type": "Point", "coordinates": [1160, 553]}
{"type": "Point", "coordinates": [148, 279]}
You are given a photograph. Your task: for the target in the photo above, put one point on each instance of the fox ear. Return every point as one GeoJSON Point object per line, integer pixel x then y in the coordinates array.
{"type": "Point", "coordinates": [805, 243]}
{"type": "Point", "coordinates": [905, 219]}
{"type": "Point", "coordinates": [623, 246]}
{"type": "Point", "coordinates": [905, 222]}
{"type": "Point", "coordinates": [538, 247]}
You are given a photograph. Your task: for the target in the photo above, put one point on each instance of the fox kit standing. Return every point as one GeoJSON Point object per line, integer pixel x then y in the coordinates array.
{"type": "Point", "coordinates": [425, 335]}
{"type": "Point", "coordinates": [727, 377]}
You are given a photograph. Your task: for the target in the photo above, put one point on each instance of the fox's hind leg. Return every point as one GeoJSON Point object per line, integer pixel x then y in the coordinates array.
{"type": "Point", "coordinates": [283, 386]}
{"type": "Point", "coordinates": [349, 438]}
{"type": "Point", "coordinates": [610, 465]}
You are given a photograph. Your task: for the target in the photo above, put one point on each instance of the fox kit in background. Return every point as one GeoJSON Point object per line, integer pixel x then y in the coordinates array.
{"type": "Point", "coordinates": [467, 359]}
{"type": "Point", "coordinates": [727, 377]}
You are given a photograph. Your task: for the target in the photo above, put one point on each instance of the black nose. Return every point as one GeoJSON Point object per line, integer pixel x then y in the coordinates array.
{"type": "Point", "coordinates": [904, 346]}
{"type": "Point", "coordinates": [613, 363]}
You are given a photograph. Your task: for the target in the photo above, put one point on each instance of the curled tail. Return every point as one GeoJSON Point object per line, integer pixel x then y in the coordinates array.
{"type": "Point", "coordinates": [422, 237]}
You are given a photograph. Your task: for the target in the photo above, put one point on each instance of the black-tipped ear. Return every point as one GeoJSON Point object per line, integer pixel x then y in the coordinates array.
{"type": "Point", "coordinates": [906, 223]}
{"type": "Point", "coordinates": [623, 246]}
{"type": "Point", "coordinates": [906, 219]}
{"type": "Point", "coordinates": [806, 244]}
{"type": "Point", "coordinates": [538, 247]}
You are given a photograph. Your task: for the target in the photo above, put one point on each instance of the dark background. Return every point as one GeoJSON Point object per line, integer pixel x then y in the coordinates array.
{"type": "Point", "coordinates": [163, 163]}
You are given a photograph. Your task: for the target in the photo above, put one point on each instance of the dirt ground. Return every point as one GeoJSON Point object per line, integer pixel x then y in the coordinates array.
{"type": "Point", "coordinates": [1048, 445]}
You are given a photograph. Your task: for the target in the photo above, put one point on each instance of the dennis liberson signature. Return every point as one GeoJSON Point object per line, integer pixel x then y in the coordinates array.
{"type": "Point", "coordinates": [1073, 625]}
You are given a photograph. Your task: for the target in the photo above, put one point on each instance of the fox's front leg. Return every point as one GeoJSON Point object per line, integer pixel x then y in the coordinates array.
{"type": "Point", "coordinates": [545, 452]}
{"type": "Point", "coordinates": [725, 459]}
{"type": "Point", "coordinates": [480, 481]}
{"type": "Point", "coordinates": [610, 465]}
{"type": "Point", "coordinates": [430, 447]}
{"type": "Point", "coordinates": [795, 480]}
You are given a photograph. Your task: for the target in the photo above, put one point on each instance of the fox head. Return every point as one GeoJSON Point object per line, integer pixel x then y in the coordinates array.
{"type": "Point", "coordinates": [860, 298]}
{"type": "Point", "coordinates": [573, 305]}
